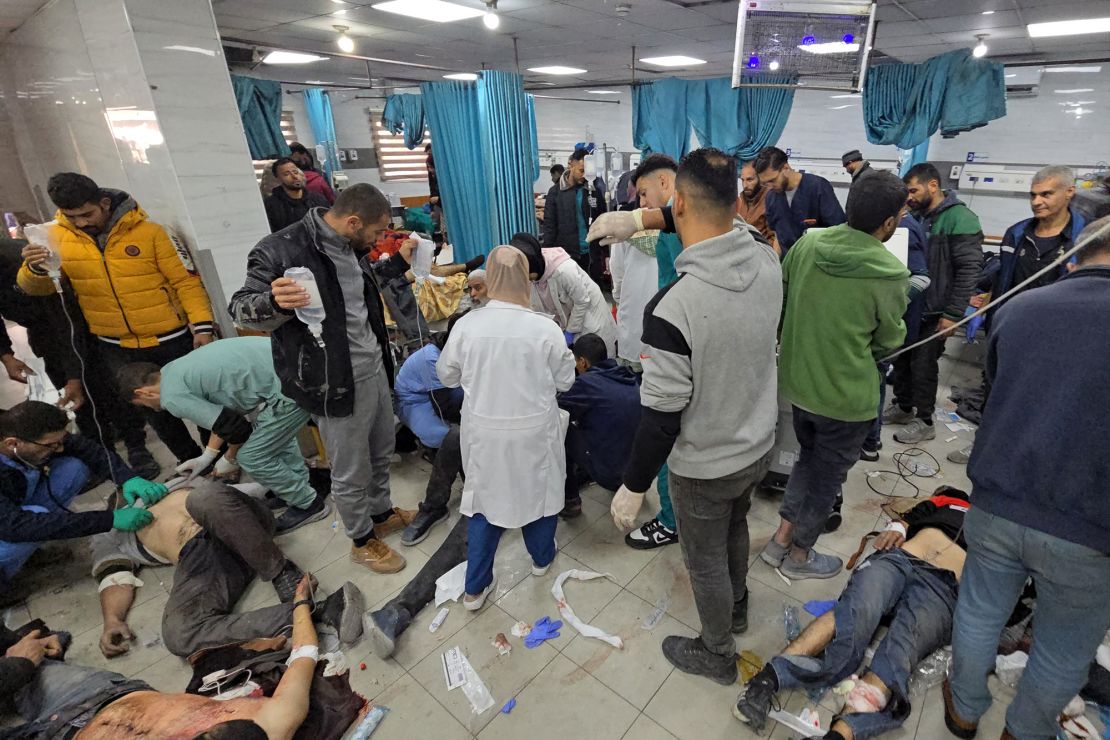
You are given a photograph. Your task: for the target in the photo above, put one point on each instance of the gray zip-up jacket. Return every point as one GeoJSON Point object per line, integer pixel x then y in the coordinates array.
{"type": "Point", "coordinates": [710, 386]}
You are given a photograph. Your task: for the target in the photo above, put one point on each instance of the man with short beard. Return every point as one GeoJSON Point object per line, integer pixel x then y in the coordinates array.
{"type": "Point", "coordinates": [752, 206]}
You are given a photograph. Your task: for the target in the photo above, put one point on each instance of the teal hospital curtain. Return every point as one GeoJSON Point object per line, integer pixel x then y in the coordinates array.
{"type": "Point", "coordinates": [533, 133]}
{"type": "Point", "coordinates": [905, 104]}
{"type": "Point", "coordinates": [452, 112]}
{"type": "Point", "coordinates": [659, 122]}
{"type": "Point", "coordinates": [740, 121]}
{"type": "Point", "coordinates": [318, 106]}
{"type": "Point", "coordinates": [259, 103]}
{"type": "Point", "coordinates": [507, 154]}
{"type": "Point", "coordinates": [405, 113]}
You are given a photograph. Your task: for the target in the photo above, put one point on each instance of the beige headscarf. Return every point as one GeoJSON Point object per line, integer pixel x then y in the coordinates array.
{"type": "Point", "coordinates": [507, 276]}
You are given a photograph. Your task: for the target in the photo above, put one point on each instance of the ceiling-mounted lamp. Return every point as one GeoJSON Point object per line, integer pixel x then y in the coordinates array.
{"type": "Point", "coordinates": [491, 19]}
{"type": "Point", "coordinates": [345, 43]}
{"type": "Point", "coordinates": [980, 49]}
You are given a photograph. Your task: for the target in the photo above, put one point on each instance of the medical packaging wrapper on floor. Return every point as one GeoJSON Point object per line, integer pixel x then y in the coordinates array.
{"type": "Point", "coordinates": [450, 585]}
{"type": "Point", "coordinates": [567, 613]}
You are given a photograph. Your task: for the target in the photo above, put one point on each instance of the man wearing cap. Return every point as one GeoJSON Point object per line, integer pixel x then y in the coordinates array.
{"type": "Point", "coordinates": [854, 164]}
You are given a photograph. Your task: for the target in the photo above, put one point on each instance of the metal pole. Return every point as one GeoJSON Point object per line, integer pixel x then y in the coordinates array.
{"type": "Point", "coordinates": [633, 65]}
{"type": "Point", "coordinates": [516, 55]}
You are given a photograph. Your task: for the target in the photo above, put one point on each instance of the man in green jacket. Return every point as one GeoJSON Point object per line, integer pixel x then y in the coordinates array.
{"type": "Point", "coordinates": [844, 296]}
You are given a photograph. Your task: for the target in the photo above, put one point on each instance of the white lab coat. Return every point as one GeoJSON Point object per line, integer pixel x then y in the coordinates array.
{"type": "Point", "coordinates": [578, 304]}
{"type": "Point", "coordinates": [510, 362]}
{"type": "Point", "coordinates": [635, 282]}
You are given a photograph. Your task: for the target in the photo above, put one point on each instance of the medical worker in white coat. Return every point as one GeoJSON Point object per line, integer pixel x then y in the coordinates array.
{"type": "Point", "coordinates": [510, 362]}
{"type": "Point", "coordinates": [564, 290]}
{"type": "Point", "coordinates": [635, 282]}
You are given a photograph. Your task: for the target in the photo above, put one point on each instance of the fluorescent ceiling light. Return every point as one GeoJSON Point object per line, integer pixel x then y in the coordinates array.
{"type": "Point", "coordinates": [1090, 70]}
{"type": "Point", "coordinates": [557, 70]}
{"type": "Point", "coordinates": [461, 76]}
{"type": "Point", "coordinates": [429, 10]}
{"type": "Point", "coordinates": [1075, 90]}
{"type": "Point", "coordinates": [604, 92]}
{"type": "Point", "coordinates": [290, 57]}
{"type": "Point", "coordinates": [988, 12]}
{"type": "Point", "coordinates": [193, 49]}
{"type": "Point", "coordinates": [839, 107]}
{"type": "Point", "coordinates": [829, 47]}
{"type": "Point", "coordinates": [853, 96]}
{"type": "Point", "coordinates": [677, 60]}
{"type": "Point", "coordinates": [1069, 28]}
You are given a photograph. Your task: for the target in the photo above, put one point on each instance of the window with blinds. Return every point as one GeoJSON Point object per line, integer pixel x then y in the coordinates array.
{"type": "Point", "coordinates": [396, 163]}
{"type": "Point", "coordinates": [288, 131]}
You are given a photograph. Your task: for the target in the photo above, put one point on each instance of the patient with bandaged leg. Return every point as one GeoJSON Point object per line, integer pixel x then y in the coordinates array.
{"type": "Point", "coordinates": [909, 583]}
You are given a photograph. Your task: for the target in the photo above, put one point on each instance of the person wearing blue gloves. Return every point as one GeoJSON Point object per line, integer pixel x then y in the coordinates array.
{"type": "Point", "coordinates": [42, 469]}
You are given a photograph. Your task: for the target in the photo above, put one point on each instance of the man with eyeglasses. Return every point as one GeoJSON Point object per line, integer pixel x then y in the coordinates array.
{"type": "Point", "coordinates": [42, 469]}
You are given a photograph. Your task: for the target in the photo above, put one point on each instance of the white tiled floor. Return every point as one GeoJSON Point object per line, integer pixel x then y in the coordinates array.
{"type": "Point", "coordinates": [569, 687]}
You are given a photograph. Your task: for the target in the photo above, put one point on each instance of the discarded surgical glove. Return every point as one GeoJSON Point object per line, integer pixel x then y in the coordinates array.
{"type": "Point", "coordinates": [625, 508]}
{"type": "Point", "coordinates": [225, 466]}
{"type": "Point", "coordinates": [131, 520]}
{"type": "Point", "coordinates": [542, 630]}
{"type": "Point", "coordinates": [146, 491]}
{"type": "Point", "coordinates": [192, 468]}
{"type": "Point", "coordinates": [615, 226]}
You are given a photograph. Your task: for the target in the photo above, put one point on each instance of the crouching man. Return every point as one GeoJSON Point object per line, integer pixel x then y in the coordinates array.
{"type": "Point", "coordinates": [913, 578]}
{"type": "Point", "coordinates": [220, 539]}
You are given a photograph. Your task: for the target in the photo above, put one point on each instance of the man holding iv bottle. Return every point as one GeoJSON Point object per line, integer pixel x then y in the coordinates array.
{"type": "Point", "coordinates": [335, 360]}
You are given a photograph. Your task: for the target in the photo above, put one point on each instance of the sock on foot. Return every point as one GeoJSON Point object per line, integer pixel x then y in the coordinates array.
{"type": "Point", "coordinates": [379, 518]}
{"type": "Point", "coordinates": [361, 541]}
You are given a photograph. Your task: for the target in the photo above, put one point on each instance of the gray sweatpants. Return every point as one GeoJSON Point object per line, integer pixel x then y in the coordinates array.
{"type": "Point", "coordinates": [360, 449]}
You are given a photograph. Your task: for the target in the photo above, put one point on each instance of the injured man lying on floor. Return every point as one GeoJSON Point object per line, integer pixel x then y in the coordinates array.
{"type": "Point", "coordinates": [220, 539]}
{"type": "Point", "coordinates": [909, 583]}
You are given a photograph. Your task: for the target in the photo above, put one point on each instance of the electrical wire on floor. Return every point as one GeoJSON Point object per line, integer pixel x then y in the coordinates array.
{"type": "Point", "coordinates": [907, 467]}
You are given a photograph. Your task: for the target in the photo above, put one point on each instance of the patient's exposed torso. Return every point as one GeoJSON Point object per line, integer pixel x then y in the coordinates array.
{"type": "Point", "coordinates": [149, 714]}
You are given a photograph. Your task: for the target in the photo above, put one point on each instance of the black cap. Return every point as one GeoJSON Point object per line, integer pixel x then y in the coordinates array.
{"type": "Point", "coordinates": [852, 156]}
{"type": "Point", "coordinates": [532, 250]}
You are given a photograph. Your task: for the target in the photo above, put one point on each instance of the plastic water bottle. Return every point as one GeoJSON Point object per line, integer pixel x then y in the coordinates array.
{"type": "Point", "coordinates": [790, 622]}
{"type": "Point", "coordinates": [313, 314]}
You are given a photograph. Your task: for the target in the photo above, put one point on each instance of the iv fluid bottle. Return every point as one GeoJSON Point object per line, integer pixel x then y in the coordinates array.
{"type": "Point", "coordinates": [53, 264]}
{"type": "Point", "coordinates": [312, 314]}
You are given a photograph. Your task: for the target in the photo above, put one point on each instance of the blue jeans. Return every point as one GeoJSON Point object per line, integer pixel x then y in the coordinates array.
{"type": "Point", "coordinates": [62, 697]}
{"type": "Point", "coordinates": [481, 546]}
{"type": "Point", "coordinates": [67, 477]}
{"type": "Point", "coordinates": [1072, 615]}
{"type": "Point", "coordinates": [919, 600]}
{"type": "Point", "coordinates": [828, 448]}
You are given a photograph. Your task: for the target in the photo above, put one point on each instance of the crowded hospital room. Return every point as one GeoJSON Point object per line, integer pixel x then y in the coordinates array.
{"type": "Point", "coordinates": [548, 369]}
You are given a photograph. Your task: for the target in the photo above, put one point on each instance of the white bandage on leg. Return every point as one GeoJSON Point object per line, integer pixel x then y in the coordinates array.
{"type": "Point", "coordinates": [120, 578]}
{"type": "Point", "coordinates": [865, 698]}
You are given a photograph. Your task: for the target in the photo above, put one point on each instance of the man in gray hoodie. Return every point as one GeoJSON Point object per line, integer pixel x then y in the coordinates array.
{"type": "Point", "coordinates": [709, 402]}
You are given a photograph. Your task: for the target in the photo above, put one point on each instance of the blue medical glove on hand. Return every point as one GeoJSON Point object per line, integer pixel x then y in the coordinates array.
{"type": "Point", "coordinates": [131, 520]}
{"type": "Point", "coordinates": [145, 490]}
{"type": "Point", "coordinates": [542, 630]}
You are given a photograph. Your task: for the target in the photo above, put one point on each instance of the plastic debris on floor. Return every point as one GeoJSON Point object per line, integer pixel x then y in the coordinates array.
{"type": "Point", "coordinates": [567, 613]}
{"type": "Point", "coordinates": [509, 706]}
{"type": "Point", "coordinates": [502, 644]}
{"type": "Point", "coordinates": [749, 664]}
{"type": "Point", "coordinates": [369, 723]}
{"type": "Point", "coordinates": [655, 616]}
{"type": "Point", "coordinates": [450, 585]}
{"type": "Point", "coordinates": [439, 618]}
{"type": "Point", "coordinates": [808, 723]}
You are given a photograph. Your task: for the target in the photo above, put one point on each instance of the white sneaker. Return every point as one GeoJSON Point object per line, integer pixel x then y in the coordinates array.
{"type": "Point", "coordinates": [538, 571]}
{"type": "Point", "coordinates": [480, 601]}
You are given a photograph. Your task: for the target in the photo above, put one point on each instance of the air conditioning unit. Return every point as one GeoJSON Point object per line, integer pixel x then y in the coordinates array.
{"type": "Point", "coordinates": [1023, 82]}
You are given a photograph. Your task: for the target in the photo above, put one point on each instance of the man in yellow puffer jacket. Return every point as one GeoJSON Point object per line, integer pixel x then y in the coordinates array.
{"type": "Point", "coordinates": [136, 286]}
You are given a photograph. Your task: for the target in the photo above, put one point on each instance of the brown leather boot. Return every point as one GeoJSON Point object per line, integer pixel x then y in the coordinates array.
{"type": "Point", "coordinates": [956, 724]}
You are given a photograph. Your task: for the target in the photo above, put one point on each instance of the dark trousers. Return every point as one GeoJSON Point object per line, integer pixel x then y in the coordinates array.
{"type": "Point", "coordinates": [712, 518]}
{"type": "Point", "coordinates": [215, 569]}
{"type": "Point", "coordinates": [581, 468]}
{"type": "Point", "coordinates": [171, 430]}
{"type": "Point", "coordinates": [396, 616]}
{"type": "Point", "coordinates": [917, 373]}
{"type": "Point", "coordinates": [919, 601]}
{"type": "Point", "coordinates": [828, 448]}
{"type": "Point", "coordinates": [119, 420]}
{"type": "Point", "coordinates": [875, 436]}
{"type": "Point", "coordinates": [598, 267]}
{"type": "Point", "coordinates": [447, 467]}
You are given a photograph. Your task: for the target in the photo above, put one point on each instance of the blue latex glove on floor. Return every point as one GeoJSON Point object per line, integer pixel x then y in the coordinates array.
{"type": "Point", "coordinates": [817, 608]}
{"type": "Point", "coordinates": [542, 630]}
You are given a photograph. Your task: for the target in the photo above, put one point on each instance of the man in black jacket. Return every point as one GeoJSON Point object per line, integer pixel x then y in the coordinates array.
{"type": "Point", "coordinates": [62, 347]}
{"type": "Point", "coordinates": [570, 208]}
{"type": "Point", "coordinates": [343, 377]}
{"type": "Point", "coordinates": [289, 202]}
{"type": "Point", "coordinates": [42, 469]}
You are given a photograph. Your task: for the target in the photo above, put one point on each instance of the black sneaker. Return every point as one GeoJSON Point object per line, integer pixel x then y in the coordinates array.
{"type": "Point", "coordinates": [740, 615]}
{"type": "Point", "coordinates": [572, 509]}
{"type": "Point", "coordinates": [650, 536]}
{"type": "Point", "coordinates": [294, 517]}
{"type": "Point", "coordinates": [757, 699]}
{"type": "Point", "coordinates": [421, 524]}
{"type": "Point", "coordinates": [835, 517]}
{"type": "Point", "coordinates": [690, 655]}
{"type": "Point", "coordinates": [285, 583]}
{"type": "Point", "coordinates": [342, 611]}
{"type": "Point", "coordinates": [272, 502]}
{"type": "Point", "coordinates": [869, 454]}
{"type": "Point", "coordinates": [143, 463]}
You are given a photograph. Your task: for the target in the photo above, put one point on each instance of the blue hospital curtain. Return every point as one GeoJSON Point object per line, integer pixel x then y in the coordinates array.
{"type": "Point", "coordinates": [451, 109]}
{"type": "Point", "coordinates": [318, 105]}
{"type": "Point", "coordinates": [259, 103]}
{"type": "Point", "coordinates": [535, 136]}
{"type": "Point", "coordinates": [659, 122]}
{"type": "Point", "coordinates": [740, 121]}
{"type": "Point", "coordinates": [507, 155]}
{"type": "Point", "coordinates": [405, 112]}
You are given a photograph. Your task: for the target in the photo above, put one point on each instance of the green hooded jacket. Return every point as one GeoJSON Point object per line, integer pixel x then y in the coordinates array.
{"type": "Point", "coordinates": [843, 299]}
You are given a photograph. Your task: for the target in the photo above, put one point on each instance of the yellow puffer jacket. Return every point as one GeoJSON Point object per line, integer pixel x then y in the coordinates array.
{"type": "Point", "coordinates": [141, 287]}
